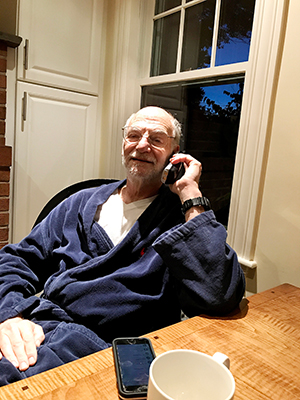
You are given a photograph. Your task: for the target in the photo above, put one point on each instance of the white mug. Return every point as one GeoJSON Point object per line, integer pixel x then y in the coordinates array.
{"type": "Point", "coordinates": [190, 375]}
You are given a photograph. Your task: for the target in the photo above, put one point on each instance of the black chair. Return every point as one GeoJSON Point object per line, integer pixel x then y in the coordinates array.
{"type": "Point", "coordinates": [63, 194]}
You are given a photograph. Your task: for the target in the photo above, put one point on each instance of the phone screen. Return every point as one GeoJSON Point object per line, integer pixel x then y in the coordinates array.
{"type": "Point", "coordinates": [133, 361]}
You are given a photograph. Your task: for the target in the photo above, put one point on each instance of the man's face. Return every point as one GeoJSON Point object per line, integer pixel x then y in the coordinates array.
{"type": "Point", "coordinates": [142, 159]}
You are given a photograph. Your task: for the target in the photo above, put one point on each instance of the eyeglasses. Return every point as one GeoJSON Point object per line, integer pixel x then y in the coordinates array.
{"type": "Point", "coordinates": [157, 139]}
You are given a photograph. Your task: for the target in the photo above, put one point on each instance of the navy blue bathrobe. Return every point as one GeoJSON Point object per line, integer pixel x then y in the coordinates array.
{"type": "Point", "coordinates": [94, 291]}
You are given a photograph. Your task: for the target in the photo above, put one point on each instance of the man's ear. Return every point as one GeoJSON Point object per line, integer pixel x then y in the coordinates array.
{"type": "Point", "coordinates": [176, 149]}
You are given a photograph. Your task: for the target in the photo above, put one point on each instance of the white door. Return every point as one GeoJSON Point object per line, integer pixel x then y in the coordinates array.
{"type": "Point", "coordinates": [56, 145]}
{"type": "Point", "coordinates": [61, 43]}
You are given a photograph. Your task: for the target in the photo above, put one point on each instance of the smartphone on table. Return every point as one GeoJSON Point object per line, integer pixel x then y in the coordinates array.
{"type": "Point", "coordinates": [132, 357]}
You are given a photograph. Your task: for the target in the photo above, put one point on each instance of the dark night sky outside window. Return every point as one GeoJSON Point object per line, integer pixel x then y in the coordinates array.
{"type": "Point", "coordinates": [210, 115]}
{"type": "Point", "coordinates": [166, 31]}
{"type": "Point", "coordinates": [197, 37]}
{"type": "Point", "coordinates": [235, 30]}
{"type": "Point", "coordinates": [164, 5]}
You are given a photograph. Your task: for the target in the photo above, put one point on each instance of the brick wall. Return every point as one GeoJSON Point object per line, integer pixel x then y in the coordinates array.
{"type": "Point", "coordinates": [5, 152]}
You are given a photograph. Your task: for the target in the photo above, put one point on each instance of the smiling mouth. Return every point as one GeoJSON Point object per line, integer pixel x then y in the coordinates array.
{"type": "Point", "coordinates": [141, 160]}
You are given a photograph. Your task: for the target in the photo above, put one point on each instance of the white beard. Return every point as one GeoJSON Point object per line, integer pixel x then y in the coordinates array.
{"type": "Point", "coordinates": [134, 169]}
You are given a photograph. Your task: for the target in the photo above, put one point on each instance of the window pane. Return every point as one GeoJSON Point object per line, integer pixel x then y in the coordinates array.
{"type": "Point", "coordinates": [197, 38]}
{"type": "Point", "coordinates": [210, 116]}
{"type": "Point", "coordinates": [164, 5]}
{"type": "Point", "coordinates": [235, 30]}
{"type": "Point", "coordinates": [164, 47]}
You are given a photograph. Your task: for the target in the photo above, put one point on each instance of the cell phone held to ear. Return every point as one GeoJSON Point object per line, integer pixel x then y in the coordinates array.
{"type": "Point", "coordinates": [172, 173]}
{"type": "Point", "coordinates": [132, 358]}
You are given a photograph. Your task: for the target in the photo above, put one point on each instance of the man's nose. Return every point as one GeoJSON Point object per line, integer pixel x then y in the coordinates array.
{"type": "Point", "coordinates": [143, 144]}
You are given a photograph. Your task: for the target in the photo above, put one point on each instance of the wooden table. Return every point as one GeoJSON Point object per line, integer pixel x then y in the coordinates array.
{"type": "Point", "coordinates": [262, 340]}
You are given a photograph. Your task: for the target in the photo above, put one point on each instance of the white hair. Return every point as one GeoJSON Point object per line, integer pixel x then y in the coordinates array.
{"type": "Point", "coordinates": [175, 123]}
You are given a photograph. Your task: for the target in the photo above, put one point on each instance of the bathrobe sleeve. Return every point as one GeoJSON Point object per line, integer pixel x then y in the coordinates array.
{"type": "Point", "coordinates": [205, 269]}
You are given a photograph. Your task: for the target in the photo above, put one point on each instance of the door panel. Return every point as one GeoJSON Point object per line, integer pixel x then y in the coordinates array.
{"type": "Point", "coordinates": [56, 145]}
{"type": "Point", "coordinates": [61, 45]}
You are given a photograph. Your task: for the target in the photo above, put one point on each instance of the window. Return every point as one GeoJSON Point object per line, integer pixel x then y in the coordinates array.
{"type": "Point", "coordinates": [202, 35]}
{"type": "Point", "coordinates": [209, 113]}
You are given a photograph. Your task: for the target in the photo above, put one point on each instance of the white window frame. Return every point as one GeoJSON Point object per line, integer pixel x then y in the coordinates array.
{"type": "Point", "coordinates": [132, 48]}
{"type": "Point", "coordinates": [260, 83]}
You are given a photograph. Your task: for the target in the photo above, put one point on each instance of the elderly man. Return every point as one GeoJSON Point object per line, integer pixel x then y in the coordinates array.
{"type": "Point", "coordinates": [119, 260]}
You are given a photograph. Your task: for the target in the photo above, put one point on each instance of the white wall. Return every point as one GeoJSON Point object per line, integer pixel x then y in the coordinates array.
{"type": "Point", "coordinates": [128, 44]}
{"type": "Point", "coordinates": [277, 250]}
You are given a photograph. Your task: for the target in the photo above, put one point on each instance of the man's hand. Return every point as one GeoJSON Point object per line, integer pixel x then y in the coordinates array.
{"type": "Point", "coordinates": [19, 339]}
{"type": "Point", "coordinates": [187, 187]}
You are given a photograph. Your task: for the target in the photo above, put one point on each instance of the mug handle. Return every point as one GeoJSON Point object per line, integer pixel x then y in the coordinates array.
{"type": "Point", "coordinates": [222, 359]}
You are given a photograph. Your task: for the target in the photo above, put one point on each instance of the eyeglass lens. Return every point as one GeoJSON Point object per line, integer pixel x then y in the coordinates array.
{"type": "Point", "coordinates": [156, 139]}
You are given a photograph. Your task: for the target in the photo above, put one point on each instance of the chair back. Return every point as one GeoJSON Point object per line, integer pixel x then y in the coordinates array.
{"type": "Point", "coordinates": [66, 192]}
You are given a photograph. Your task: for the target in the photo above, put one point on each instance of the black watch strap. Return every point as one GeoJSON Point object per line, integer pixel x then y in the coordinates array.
{"type": "Point", "coordinates": [197, 201]}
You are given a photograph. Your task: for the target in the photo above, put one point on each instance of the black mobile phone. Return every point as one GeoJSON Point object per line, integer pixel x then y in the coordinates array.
{"type": "Point", "coordinates": [172, 173]}
{"type": "Point", "coordinates": [132, 357]}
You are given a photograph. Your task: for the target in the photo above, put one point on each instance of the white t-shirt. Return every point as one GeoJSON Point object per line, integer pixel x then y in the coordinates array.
{"type": "Point", "coordinates": [117, 218]}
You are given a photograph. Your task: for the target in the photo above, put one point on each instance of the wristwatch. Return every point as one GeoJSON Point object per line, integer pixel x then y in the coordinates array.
{"type": "Point", "coordinates": [197, 201]}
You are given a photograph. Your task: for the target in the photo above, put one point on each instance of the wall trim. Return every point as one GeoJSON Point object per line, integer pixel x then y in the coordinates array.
{"type": "Point", "coordinates": [260, 87]}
